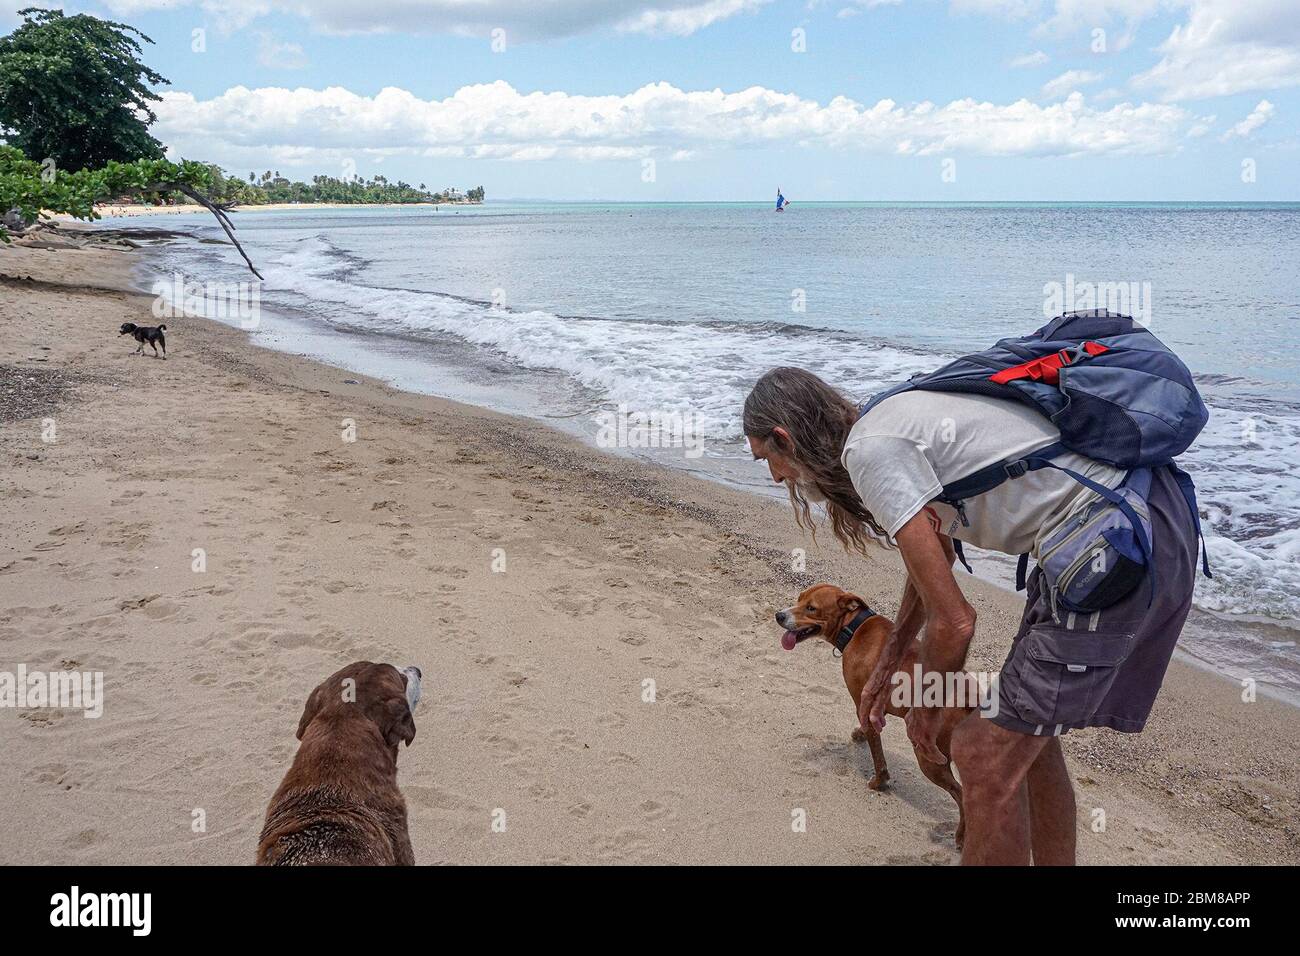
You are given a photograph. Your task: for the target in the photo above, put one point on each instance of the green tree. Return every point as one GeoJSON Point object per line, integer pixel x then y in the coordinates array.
{"type": "Point", "coordinates": [27, 189]}
{"type": "Point", "coordinates": [73, 90]}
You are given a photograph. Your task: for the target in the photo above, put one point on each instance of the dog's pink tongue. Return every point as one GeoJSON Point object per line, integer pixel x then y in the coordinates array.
{"type": "Point", "coordinates": [788, 640]}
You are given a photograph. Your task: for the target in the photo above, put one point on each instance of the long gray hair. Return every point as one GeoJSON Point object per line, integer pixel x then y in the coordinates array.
{"type": "Point", "coordinates": [818, 419]}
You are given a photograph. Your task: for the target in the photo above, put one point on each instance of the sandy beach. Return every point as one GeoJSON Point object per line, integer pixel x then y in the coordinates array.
{"type": "Point", "coordinates": [319, 551]}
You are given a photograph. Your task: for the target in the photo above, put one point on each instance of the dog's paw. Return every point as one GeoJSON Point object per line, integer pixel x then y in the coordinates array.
{"type": "Point", "coordinates": [879, 782]}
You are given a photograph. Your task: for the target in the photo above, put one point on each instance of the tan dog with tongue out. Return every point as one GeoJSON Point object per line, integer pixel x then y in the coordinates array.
{"type": "Point", "coordinates": [845, 621]}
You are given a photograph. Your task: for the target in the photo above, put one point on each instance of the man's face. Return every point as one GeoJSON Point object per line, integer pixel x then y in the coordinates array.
{"type": "Point", "coordinates": [785, 470]}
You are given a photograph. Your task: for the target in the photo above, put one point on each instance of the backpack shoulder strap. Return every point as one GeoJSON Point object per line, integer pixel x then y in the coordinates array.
{"type": "Point", "coordinates": [890, 392]}
{"type": "Point", "coordinates": [1188, 488]}
{"type": "Point", "coordinates": [989, 477]}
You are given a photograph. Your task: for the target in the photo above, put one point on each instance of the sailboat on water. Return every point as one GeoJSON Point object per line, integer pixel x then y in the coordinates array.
{"type": "Point", "coordinates": [781, 202]}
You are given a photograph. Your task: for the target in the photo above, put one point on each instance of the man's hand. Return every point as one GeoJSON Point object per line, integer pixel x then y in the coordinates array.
{"type": "Point", "coordinates": [875, 695]}
{"type": "Point", "coordinates": [923, 725]}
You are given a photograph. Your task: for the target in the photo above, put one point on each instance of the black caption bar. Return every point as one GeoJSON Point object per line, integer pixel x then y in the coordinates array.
{"type": "Point", "coordinates": [215, 905]}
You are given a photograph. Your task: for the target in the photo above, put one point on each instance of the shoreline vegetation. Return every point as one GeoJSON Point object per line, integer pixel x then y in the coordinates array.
{"type": "Point", "coordinates": [618, 571]}
{"type": "Point", "coordinates": [113, 210]}
{"type": "Point", "coordinates": [270, 188]}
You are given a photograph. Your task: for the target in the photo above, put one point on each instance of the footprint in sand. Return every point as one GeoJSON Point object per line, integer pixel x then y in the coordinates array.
{"type": "Point", "coordinates": [58, 776]}
{"type": "Point", "coordinates": [662, 810]}
{"type": "Point", "coordinates": [622, 845]}
{"type": "Point", "coordinates": [543, 791]}
{"type": "Point", "coordinates": [823, 755]}
{"type": "Point", "coordinates": [41, 718]}
{"type": "Point", "coordinates": [945, 834]}
{"type": "Point", "coordinates": [85, 839]}
{"type": "Point", "coordinates": [565, 600]}
{"type": "Point", "coordinates": [68, 530]}
{"type": "Point", "coordinates": [438, 798]}
{"type": "Point", "coordinates": [567, 739]}
{"type": "Point", "coordinates": [614, 720]}
{"type": "Point", "coordinates": [161, 610]}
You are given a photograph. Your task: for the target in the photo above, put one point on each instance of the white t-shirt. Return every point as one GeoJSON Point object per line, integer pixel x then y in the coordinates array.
{"type": "Point", "coordinates": [902, 453]}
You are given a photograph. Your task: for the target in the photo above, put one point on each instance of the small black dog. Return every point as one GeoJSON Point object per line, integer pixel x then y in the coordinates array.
{"type": "Point", "coordinates": [146, 334]}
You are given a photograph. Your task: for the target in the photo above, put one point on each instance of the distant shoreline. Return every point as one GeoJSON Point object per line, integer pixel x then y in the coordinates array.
{"type": "Point", "coordinates": [133, 210]}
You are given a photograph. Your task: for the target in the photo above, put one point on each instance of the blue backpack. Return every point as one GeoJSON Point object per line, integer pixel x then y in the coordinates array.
{"type": "Point", "coordinates": [1118, 395]}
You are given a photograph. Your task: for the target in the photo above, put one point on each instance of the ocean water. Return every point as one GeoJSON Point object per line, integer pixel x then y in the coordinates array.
{"type": "Point", "coordinates": [567, 312]}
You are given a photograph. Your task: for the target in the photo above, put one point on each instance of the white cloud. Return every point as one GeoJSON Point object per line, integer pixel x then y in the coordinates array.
{"type": "Point", "coordinates": [1073, 16]}
{"type": "Point", "coordinates": [496, 121]}
{"type": "Point", "coordinates": [1066, 16]}
{"type": "Point", "coordinates": [1226, 47]}
{"type": "Point", "coordinates": [686, 19]}
{"type": "Point", "coordinates": [1260, 115]}
{"type": "Point", "coordinates": [1223, 47]}
{"type": "Point", "coordinates": [279, 55]}
{"type": "Point", "coordinates": [521, 19]}
{"type": "Point", "coordinates": [1069, 81]}
{"type": "Point", "coordinates": [1037, 58]}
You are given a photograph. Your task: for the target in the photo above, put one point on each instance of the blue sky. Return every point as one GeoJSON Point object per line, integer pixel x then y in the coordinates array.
{"type": "Point", "coordinates": [714, 99]}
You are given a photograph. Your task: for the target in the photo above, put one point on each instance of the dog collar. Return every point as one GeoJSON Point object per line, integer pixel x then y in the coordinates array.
{"type": "Point", "coordinates": [848, 630]}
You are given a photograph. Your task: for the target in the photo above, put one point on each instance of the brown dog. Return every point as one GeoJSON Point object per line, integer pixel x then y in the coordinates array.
{"type": "Point", "coordinates": [339, 803]}
{"type": "Point", "coordinates": [844, 621]}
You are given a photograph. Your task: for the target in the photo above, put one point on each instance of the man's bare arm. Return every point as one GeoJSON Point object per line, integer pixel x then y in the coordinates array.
{"type": "Point", "coordinates": [914, 612]}
{"type": "Point", "coordinates": [949, 619]}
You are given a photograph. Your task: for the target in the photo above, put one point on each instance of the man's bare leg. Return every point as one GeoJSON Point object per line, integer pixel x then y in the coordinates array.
{"type": "Point", "coordinates": [994, 764]}
{"type": "Point", "coordinates": [1051, 807]}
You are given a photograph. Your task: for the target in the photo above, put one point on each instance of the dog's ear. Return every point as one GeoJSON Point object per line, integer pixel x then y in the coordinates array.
{"type": "Point", "coordinates": [309, 712]}
{"type": "Point", "coordinates": [397, 722]}
{"type": "Point", "coordinates": [850, 602]}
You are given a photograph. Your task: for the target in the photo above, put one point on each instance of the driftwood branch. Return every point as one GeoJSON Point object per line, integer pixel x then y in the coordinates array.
{"type": "Point", "coordinates": [217, 209]}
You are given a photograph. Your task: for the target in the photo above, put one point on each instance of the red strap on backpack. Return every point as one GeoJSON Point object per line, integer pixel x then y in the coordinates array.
{"type": "Point", "coordinates": [1048, 368]}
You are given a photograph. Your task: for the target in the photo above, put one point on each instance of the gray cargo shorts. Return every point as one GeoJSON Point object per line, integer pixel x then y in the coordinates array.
{"type": "Point", "coordinates": [1103, 669]}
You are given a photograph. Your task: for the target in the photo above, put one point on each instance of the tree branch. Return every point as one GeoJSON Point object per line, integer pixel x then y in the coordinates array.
{"type": "Point", "coordinates": [218, 210]}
